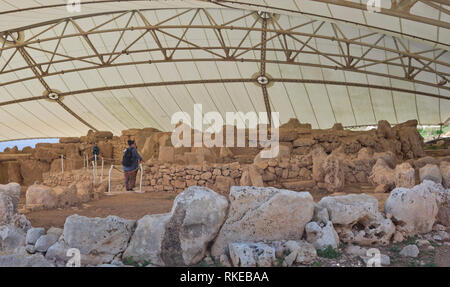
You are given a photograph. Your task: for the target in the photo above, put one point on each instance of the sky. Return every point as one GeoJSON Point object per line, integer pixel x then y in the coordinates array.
{"type": "Point", "coordinates": [24, 143]}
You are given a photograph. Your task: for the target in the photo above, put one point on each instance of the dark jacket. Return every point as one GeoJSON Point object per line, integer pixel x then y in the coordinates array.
{"type": "Point", "coordinates": [134, 159]}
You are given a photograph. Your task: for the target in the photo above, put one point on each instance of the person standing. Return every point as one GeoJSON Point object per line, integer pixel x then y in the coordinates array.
{"type": "Point", "coordinates": [130, 163]}
{"type": "Point", "coordinates": [95, 152]}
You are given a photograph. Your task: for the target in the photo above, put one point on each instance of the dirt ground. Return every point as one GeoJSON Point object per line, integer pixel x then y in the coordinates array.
{"type": "Point", "coordinates": [130, 206]}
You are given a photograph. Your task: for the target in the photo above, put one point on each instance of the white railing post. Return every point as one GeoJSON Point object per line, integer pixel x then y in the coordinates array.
{"type": "Point", "coordinates": [109, 178]}
{"type": "Point", "coordinates": [103, 165]}
{"type": "Point", "coordinates": [93, 172]}
{"type": "Point", "coordinates": [62, 163]}
{"type": "Point", "coordinates": [140, 180]}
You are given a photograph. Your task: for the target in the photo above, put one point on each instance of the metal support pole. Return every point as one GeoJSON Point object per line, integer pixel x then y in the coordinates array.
{"type": "Point", "coordinates": [62, 163]}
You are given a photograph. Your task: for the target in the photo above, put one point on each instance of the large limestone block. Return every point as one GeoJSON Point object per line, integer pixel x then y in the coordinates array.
{"type": "Point", "coordinates": [322, 236]}
{"type": "Point", "coordinates": [445, 172]}
{"type": "Point", "coordinates": [12, 190]}
{"type": "Point", "coordinates": [348, 209]}
{"type": "Point", "coordinates": [357, 220]}
{"type": "Point", "coordinates": [11, 238]}
{"type": "Point", "coordinates": [404, 175]}
{"type": "Point", "coordinates": [382, 174]}
{"type": "Point", "coordinates": [23, 260]}
{"type": "Point", "coordinates": [41, 196]}
{"type": "Point", "coordinates": [146, 242]}
{"type": "Point", "coordinates": [100, 237]}
{"type": "Point", "coordinates": [67, 196]}
{"type": "Point", "coordinates": [264, 213]}
{"type": "Point", "coordinates": [246, 254]}
{"type": "Point", "coordinates": [413, 210]}
{"type": "Point", "coordinates": [430, 172]}
{"type": "Point", "coordinates": [32, 170]}
{"type": "Point", "coordinates": [182, 236]}
{"type": "Point", "coordinates": [166, 154]}
{"type": "Point", "coordinates": [334, 177]}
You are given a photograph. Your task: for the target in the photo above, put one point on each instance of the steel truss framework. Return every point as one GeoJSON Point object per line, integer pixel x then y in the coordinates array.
{"type": "Point", "coordinates": [274, 37]}
{"type": "Point", "coordinates": [396, 8]}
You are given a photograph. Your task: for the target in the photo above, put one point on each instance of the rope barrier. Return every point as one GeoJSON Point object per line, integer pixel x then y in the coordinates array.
{"type": "Point", "coordinates": [95, 170]}
{"type": "Point", "coordinates": [141, 167]}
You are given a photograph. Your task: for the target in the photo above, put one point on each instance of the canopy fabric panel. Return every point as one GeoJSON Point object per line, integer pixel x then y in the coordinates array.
{"type": "Point", "coordinates": [133, 64]}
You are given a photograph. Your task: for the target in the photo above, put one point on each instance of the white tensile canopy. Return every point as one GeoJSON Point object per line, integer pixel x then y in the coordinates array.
{"type": "Point", "coordinates": [133, 64]}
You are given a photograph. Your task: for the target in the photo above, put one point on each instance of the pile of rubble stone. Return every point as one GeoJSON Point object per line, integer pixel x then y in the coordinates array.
{"type": "Point", "coordinates": [253, 226]}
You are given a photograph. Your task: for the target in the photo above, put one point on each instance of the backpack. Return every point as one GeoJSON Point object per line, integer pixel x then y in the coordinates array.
{"type": "Point", "coordinates": [128, 157]}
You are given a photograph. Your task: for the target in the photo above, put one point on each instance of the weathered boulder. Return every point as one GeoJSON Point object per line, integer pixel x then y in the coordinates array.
{"type": "Point", "coordinates": [45, 241]}
{"type": "Point", "coordinates": [103, 238]}
{"type": "Point", "coordinates": [255, 176]}
{"type": "Point", "coordinates": [334, 177]}
{"type": "Point", "coordinates": [251, 254]}
{"type": "Point", "coordinates": [413, 210]}
{"type": "Point", "coordinates": [348, 209]}
{"type": "Point", "coordinates": [182, 236]}
{"type": "Point", "coordinates": [322, 236]}
{"type": "Point", "coordinates": [411, 141]}
{"type": "Point", "coordinates": [410, 251]}
{"type": "Point", "coordinates": [40, 196]}
{"type": "Point", "coordinates": [430, 172]}
{"type": "Point", "coordinates": [388, 156]}
{"type": "Point", "coordinates": [264, 213]}
{"type": "Point", "coordinates": [368, 231]}
{"type": "Point", "coordinates": [443, 200]}
{"type": "Point", "coordinates": [404, 175]}
{"type": "Point", "coordinates": [382, 174]}
{"type": "Point", "coordinates": [384, 129]}
{"type": "Point", "coordinates": [223, 184]}
{"type": "Point", "coordinates": [7, 209]}
{"type": "Point", "coordinates": [33, 235]}
{"type": "Point", "coordinates": [66, 196]}
{"type": "Point", "coordinates": [146, 242]}
{"type": "Point", "coordinates": [22, 260]}
{"type": "Point", "coordinates": [32, 170]}
{"type": "Point", "coordinates": [11, 189]}
{"type": "Point", "coordinates": [85, 191]}
{"type": "Point", "coordinates": [445, 172]}
{"type": "Point", "coordinates": [318, 156]}
{"type": "Point", "coordinates": [357, 220]}
{"type": "Point", "coordinates": [423, 161]}
{"type": "Point", "coordinates": [301, 252]}
{"type": "Point", "coordinates": [11, 238]}
{"type": "Point", "coordinates": [45, 154]}
{"type": "Point", "coordinates": [9, 215]}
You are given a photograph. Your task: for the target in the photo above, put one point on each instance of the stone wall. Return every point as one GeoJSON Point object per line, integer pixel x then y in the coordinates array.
{"type": "Point", "coordinates": [27, 166]}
